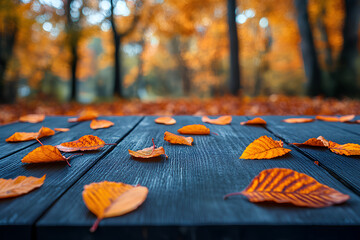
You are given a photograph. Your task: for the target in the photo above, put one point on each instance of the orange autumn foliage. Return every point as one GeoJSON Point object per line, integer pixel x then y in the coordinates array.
{"type": "Point", "coordinates": [282, 185]}
{"type": "Point", "coordinates": [298, 120]}
{"type": "Point", "coordinates": [345, 118]}
{"type": "Point", "coordinates": [32, 118]}
{"type": "Point", "coordinates": [176, 139]}
{"type": "Point", "coordinates": [85, 115]}
{"type": "Point", "coordinates": [315, 142]}
{"type": "Point", "coordinates": [19, 186]}
{"type": "Point", "coordinates": [255, 121]}
{"type": "Point", "coordinates": [45, 154]}
{"type": "Point", "coordinates": [264, 148]}
{"type": "Point", "coordinates": [165, 120]}
{"type": "Point", "coordinates": [26, 136]}
{"type": "Point", "coordinates": [195, 129]}
{"type": "Point", "coordinates": [223, 120]}
{"type": "Point", "coordinates": [62, 129]}
{"type": "Point", "coordinates": [150, 152]}
{"type": "Point", "coordinates": [85, 143]}
{"type": "Point", "coordinates": [348, 149]}
{"type": "Point", "coordinates": [111, 199]}
{"type": "Point", "coordinates": [97, 124]}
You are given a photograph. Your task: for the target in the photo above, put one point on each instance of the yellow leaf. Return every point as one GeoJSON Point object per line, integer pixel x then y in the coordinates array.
{"type": "Point", "coordinates": [264, 148]}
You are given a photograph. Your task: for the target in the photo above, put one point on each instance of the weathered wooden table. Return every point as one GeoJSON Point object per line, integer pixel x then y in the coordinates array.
{"type": "Point", "coordinates": [185, 199]}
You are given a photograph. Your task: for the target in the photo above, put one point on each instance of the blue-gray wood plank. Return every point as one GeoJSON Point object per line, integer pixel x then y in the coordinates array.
{"type": "Point", "coordinates": [186, 192]}
{"type": "Point", "coordinates": [18, 215]}
{"type": "Point", "coordinates": [346, 168]}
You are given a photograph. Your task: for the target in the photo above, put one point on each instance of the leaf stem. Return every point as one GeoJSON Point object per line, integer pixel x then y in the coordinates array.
{"type": "Point", "coordinates": [232, 194]}
{"type": "Point", "coordinates": [95, 225]}
{"type": "Point", "coordinates": [67, 158]}
{"type": "Point", "coordinates": [39, 142]}
{"type": "Point", "coordinates": [215, 133]}
{"type": "Point", "coordinates": [110, 144]}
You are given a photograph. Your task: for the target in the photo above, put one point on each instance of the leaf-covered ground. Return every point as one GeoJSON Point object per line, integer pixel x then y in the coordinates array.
{"type": "Point", "coordinates": [272, 105]}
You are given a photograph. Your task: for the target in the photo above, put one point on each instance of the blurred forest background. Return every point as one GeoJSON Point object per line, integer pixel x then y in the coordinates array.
{"type": "Point", "coordinates": [91, 51]}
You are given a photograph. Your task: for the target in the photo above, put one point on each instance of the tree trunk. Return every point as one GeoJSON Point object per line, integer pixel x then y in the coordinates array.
{"type": "Point", "coordinates": [117, 66]}
{"type": "Point", "coordinates": [234, 49]}
{"type": "Point", "coordinates": [346, 72]}
{"type": "Point", "coordinates": [311, 64]}
{"type": "Point", "coordinates": [74, 64]}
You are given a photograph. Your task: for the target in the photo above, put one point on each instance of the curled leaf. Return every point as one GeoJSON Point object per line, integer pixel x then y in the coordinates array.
{"type": "Point", "coordinates": [32, 118]}
{"type": "Point", "coordinates": [255, 121]}
{"type": "Point", "coordinates": [298, 120]}
{"type": "Point", "coordinates": [264, 148]}
{"type": "Point", "coordinates": [288, 186]}
{"type": "Point", "coordinates": [165, 120]}
{"type": "Point", "coordinates": [345, 118]}
{"type": "Point", "coordinates": [85, 143]}
{"type": "Point", "coordinates": [44, 154]}
{"type": "Point", "coordinates": [315, 142]}
{"type": "Point", "coordinates": [19, 186]}
{"type": "Point", "coordinates": [62, 129]}
{"type": "Point", "coordinates": [195, 129]}
{"type": "Point", "coordinates": [348, 149]}
{"type": "Point", "coordinates": [176, 139]}
{"type": "Point", "coordinates": [85, 115]}
{"type": "Point", "coordinates": [97, 124]}
{"type": "Point", "coordinates": [223, 120]}
{"type": "Point", "coordinates": [26, 136]}
{"type": "Point", "coordinates": [111, 199]}
{"type": "Point", "coordinates": [149, 152]}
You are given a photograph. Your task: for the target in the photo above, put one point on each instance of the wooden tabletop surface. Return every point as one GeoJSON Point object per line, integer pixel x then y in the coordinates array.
{"type": "Point", "coordinates": [185, 199]}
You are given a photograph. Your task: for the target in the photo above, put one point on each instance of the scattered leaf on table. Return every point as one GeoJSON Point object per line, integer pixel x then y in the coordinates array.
{"type": "Point", "coordinates": [86, 115]}
{"type": "Point", "coordinates": [149, 152]}
{"type": "Point", "coordinates": [195, 129]}
{"type": "Point", "coordinates": [298, 120]}
{"type": "Point", "coordinates": [26, 136]}
{"type": "Point", "coordinates": [264, 148]}
{"type": "Point", "coordinates": [44, 154]}
{"type": "Point", "coordinates": [97, 124]}
{"type": "Point", "coordinates": [315, 142]}
{"type": "Point", "coordinates": [62, 129]}
{"type": "Point", "coordinates": [85, 143]}
{"type": "Point", "coordinates": [348, 149]}
{"type": "Point", "coordinates": [112, 199]}
{"type": "Point", "coordinates": [165, 120]}
{"type": "Point", "coordinates": [288, 186]}
{"type": "Point", "coordinates": [19, 186]}
{"type": "Point", "coordinates": [345, 118]}
{"type": "Point", "coordinates": [255, 121]}
{"type": "Point", "coordinates": [32, 118]}
{"type": "Point", "coordinates": [176, 139]}
{"type": "Point", "coordinates": [223, 120]}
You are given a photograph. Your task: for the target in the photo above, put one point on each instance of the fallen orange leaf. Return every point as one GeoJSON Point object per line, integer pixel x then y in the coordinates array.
{"type": "Point", "coordinates": [85, 115]}
{"type": "Point", "coordinates": [26, 136]}
{"type": "Point", "coordinates": [176, 139]}
{"type": "Point", "coordinates": [62, 129]}
{"type": "Point", "coordinates": [315, 142]}
{"type": "Point", "coordinates": [195, 129]}
{"type": "Point", "coordinates": [32, 118]}
{"type": "Point", "coordinates": [298, 120]}
{"type": "Point", "coordinates": [348, 149]}
{"type": "Point", "coordinates": [85, 143]}
{"type": "Point", "coordinates": [165, 120]}
{"type": "Point", "coordinates": [264, 148]}
{"type": "Point", "coordinates": [255, 121]}
{"type": "Point", "coordinates": [345, 118]}
{"type": "Point", "coordinates": [288, 186]}
{"type": "Point", "coordinates": [19, 186]}
{"type": "Point", "coordinates": [44, 154]}
{"type": "Point", "coordinates": [97, 124]}
{"type": "Point", "coordinates": [112, 199]}
{"type": "Point", "coordinates": [149, 152]}
{"type": "Point", "coordinates": [223, 120]}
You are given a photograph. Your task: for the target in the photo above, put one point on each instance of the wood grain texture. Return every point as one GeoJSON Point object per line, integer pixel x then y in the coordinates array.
{"type": "Point", "coordinates": [347, 168]}
{"type": "Point", "coordinates": [27, 209]}
{"type": "Point", "coordinates": [187, 189]}
{"type": "Point", "coordinates": [6, 149]}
